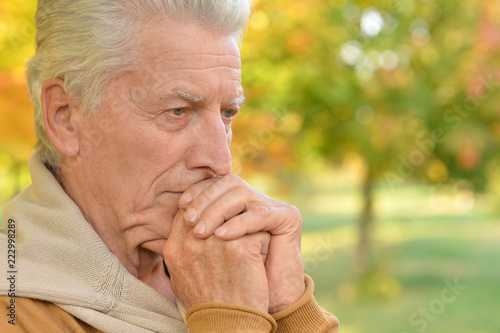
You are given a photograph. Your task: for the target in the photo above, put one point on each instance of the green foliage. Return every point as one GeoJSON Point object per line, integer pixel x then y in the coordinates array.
{"type": "Point", "coordinates": [326, 79]}
{"type": "Point", "coordinates": [403, 84]}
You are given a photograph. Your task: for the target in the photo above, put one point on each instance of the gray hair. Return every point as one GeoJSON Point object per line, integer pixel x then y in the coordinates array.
{"type": "Point", "coordinates": [87, 43]}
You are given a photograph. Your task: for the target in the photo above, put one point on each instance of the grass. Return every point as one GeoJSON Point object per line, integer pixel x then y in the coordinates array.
{"type": "Point", "coordinates": [412, 259]}
{"type": "Point", "coordinates": [423, 236]}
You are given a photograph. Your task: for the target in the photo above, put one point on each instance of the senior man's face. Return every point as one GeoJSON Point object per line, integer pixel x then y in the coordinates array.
{"type": "Point", "coordinates": [170, 128]}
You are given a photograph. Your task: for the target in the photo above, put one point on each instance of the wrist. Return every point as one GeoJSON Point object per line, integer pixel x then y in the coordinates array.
{"type": "Point", "coordinates": [282, 303]}
{"type": "Point", "coordinates": [223, 317]}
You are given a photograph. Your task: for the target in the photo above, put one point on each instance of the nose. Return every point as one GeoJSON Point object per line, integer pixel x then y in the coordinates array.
{"type": "Point", "coordinates": [210, 147]}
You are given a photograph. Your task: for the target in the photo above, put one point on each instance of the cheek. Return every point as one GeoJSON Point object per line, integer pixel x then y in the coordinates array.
{"type": "Point", "coordinates": [139, 142]}
{"type": "Point", "coordinates": [94, 141]}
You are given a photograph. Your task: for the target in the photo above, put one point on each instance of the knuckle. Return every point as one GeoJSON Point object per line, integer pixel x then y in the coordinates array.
{"type": "Point", "coordinates": [263, 211]}
{"type": "Point", "coordinates": [235, 248]}
{"type": "Point", "coordinates": [294, 217]}
{"type": "Point", "coordinates": [210, 242]}
{"type": "Point", "coordinates": [241, 220]}
{"type": "Point", "coordinates": [208, 193]}
{"type": "Point", "coordinates": [178, 251]}
{"type": "Point", "coordinates": [232, 178]}
{"type": "Point", "coordinates": [192, 247]}
{"type": "Point", "coordinates": [245, 191]}
{"type": "Point", "coordinates": [198, 191]}
{"type": "Point", "coordinates": [212, 213]}
{"type": "Point", "coordinates": [295, 213]}
{"type": "Point", "coordinates": [191, 191]}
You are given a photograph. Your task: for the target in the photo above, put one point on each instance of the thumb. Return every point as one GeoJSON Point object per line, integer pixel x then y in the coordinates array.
{"type": "Point", "coordinates": [178, 231]}
{"type": "Point", "coordinates": [263, 240]}
{"type": "Point", "coordinates": [178, 228]}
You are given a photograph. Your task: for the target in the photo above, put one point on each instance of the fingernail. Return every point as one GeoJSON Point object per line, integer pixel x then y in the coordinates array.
{"type": "Point", "coordinates": [185, 199]}
{"type": "Point", "coordinates": [221, 231]}
{"type": "Point", "coordinates": [191, 215]}
{"type": "Point", "coordinates": [200, 228]}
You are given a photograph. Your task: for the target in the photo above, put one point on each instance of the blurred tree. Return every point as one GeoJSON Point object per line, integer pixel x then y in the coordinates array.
{"type": "Point", "coordinates": [395, 82]}
{"type": "Point", "coordinates": [408, 86]}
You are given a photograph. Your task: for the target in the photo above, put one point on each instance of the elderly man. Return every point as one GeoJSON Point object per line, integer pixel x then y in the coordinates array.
{"type": "Point", "coordinates": [133, 215]}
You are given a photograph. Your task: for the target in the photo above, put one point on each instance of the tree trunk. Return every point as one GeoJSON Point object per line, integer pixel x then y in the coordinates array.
{"type": "Point", "coordinates": [365, 223]}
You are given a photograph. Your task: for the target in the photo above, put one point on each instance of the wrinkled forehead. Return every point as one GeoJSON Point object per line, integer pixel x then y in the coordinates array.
{"type": "Point", "coordinates": [176, 56]}
{"type": "Point", "coordinates": [175, 44]}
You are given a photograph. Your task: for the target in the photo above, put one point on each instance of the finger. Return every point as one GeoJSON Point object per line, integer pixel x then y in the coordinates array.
{"type": "Point", "coordinates": [277, 220]}
{"type": "Point", "coordinates": [264, 251]}
{"type": "Point", "coordinates": [263, 239]}
{"type": "Point", "coordinates": [203, 196]}
{"type": "Point", "coordinates": [190, 214]}
{"type": "Point", "coordinates": [187, 197]}
{"type": "Point", "coordinates": [225, 207]}
{"type": "Point", "coordinates": [178, 228]}
{"type": "Point", "coordinates": [178, 232]}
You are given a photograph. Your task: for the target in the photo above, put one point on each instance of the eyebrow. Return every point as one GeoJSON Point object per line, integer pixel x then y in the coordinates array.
{"type": "Point", "coordinates": [187, 96]}
{"type": "Point", "coordinates": [238, 101]}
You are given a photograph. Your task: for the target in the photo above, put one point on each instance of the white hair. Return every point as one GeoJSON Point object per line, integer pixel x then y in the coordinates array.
{"type": "Point", "coordinates": [87, 43]}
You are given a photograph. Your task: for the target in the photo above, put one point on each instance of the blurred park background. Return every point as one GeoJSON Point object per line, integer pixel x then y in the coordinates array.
{"type": "Point", "coordinates": [380, 121]}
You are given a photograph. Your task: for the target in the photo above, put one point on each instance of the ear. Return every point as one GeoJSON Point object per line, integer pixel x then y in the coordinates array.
{"type": "Point", "coordinates": [61, 117]}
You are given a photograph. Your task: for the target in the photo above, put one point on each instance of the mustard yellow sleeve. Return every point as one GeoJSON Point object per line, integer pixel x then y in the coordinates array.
{"type": "Point", "coordinates": [306, 316]}
{"type": "Point", "coordinates": [222, 317]}
{"type": "Point", "coordinates": [31, 315]}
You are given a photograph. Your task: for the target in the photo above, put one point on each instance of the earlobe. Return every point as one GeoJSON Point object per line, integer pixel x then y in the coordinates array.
{"type": "Point", "coordinates": [60, 116]}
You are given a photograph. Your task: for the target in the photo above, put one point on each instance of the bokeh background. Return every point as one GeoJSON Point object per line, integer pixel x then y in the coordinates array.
{"type": "Point", "coordinates": [379, 120]}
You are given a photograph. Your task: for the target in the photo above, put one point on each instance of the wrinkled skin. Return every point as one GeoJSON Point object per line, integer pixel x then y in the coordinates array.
{"type": "Point", "coordinates": [159, 153]}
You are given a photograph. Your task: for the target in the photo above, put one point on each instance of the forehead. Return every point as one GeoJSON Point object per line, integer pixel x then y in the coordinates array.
{"type": "Point", "coordinates": [175, 46]}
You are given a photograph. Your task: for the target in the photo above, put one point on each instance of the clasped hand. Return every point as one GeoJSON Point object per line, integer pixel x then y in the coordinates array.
{"type": "Point", "coordinates": [230, 243]}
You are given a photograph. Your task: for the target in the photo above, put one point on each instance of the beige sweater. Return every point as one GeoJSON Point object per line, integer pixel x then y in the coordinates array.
{"type": "Point", "coordinates": [63, 269]}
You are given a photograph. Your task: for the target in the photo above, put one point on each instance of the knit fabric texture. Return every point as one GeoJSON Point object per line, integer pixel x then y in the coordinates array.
{"type": "Point", "coordinates": [61, 259]}
{"type": "Point", "coordinates": [66, 279]}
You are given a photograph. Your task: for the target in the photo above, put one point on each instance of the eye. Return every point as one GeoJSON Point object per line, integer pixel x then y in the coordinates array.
{"type": "Point", "coordinates": [229, 113]}
{"type": "Point", "coordinates": [177, 111]}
